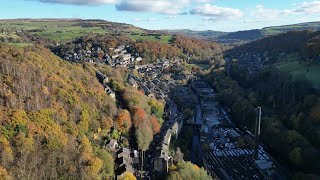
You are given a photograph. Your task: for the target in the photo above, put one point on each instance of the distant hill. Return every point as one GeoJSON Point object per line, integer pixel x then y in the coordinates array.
{"type": "Point", "coordinates": [198, 34]}
{"type": "Point", "coordinates": [296, 52]}
{"type": "Point", "coordinates": [247, 35]}
{"type": "Point", "coordinates": [281, 74]}
{"type": "Point", "coordinates": [66, 30]}
{"type": "Point", "coordinates": [303, 42]}
{"type": "Point", "coordinates": [295, 27]}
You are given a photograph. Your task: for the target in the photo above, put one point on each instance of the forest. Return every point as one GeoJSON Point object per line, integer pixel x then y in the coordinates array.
{"type": "Point", "coordinates": [305, 43]}
{"type": "Point", "coordinates": [290, 113]}
{"type": "Point", "coordinates": [56, 118]}
{"type": "Point", "coordinates": [50, 111]}
{"type": "Point", "coordinates": [290, 99]}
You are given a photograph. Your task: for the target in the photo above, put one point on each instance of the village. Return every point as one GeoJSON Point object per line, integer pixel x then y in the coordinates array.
{"type": "Point", "coordinates": [252, 62]}
{"type": "Point", "coordinates": [115, 57]}
{"type": "Point", "coordinates": [226, 149]}
{"type": "Point", "coordinates": [155, 162]}
{"type": "Point", "coordinates": [222, 148]}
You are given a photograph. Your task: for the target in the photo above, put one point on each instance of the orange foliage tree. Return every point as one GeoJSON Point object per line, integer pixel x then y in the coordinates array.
{"type": "Point", "coordinates": [123, 120]}
{"type": "Point", "coordinates": [139, 115]}
{"type": "Point", "coordinates": [155, 125]}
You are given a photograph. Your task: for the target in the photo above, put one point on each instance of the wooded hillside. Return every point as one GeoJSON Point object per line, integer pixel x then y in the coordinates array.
{"type": "Point", "coordinates": [303, 42]}
{"type": "Point", "coordinates": [196, 50]}
{"type": "Point", "coordinates": [50, 110]}
{"type": "Point", "coordinates": [56, 118]}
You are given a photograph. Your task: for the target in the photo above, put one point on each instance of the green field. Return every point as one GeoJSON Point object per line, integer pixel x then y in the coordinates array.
{"type": "Point", "coordinates": [268, 31]}
{"type": "Point", "coordinates": [67, 30]}
{"type": "Point", "coordinates": [10, 35]}
{"type": "Point", "coordinates": [69, 33]}
{"type": "Point", "coordinates": [311, 72]}
{"type": "Point", "coordinates": [58, 31]}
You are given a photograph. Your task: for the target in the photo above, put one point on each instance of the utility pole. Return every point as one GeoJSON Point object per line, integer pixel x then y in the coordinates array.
{"type": "Point", "coordinates": [142, 158]}
{"type": "Point", "coordinates": [257, 133]}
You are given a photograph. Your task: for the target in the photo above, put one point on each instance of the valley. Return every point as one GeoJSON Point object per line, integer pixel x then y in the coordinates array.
{"type": "Point", "coordinates": [105, 100]}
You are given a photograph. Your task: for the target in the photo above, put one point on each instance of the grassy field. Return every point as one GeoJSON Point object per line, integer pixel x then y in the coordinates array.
{"type": "Point", "coordinates": [54, 30]}
{"type": "Point", "coordinates": [312, 72]}
{"type": "Point", "coordinates": [68, 30]}
{"type": "Point", "coordinates": [69, 33]}
{"type": "Point", "coordinates": [10, 35]}
{"type": "Point", "coordinates": [281, 29]}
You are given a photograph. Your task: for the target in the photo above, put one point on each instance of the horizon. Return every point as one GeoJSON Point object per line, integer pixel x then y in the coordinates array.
{"type": "Point", "coordinates": [214, 15]}
{"type": "Point", "coordinates": [70, 19]}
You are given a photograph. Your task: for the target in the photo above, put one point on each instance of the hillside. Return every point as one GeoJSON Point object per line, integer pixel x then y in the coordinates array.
{"type": "Point", "coordinates": [210, 35]}
{"type": "Point", "coordinates": [22, 32]}
{"type": "Point", "coordinates": [59, 110]}
{"type": "Point", "coordinates": [241, 36]}
{"type": "Point", "coordinates": [64, 30]}
{"type": "Point", "coordinates": [281, 74]}
{"type": "Point", "coordinates": [246, 35]}
{"type": "Point", "coordinates": [294, 27]}
{"type": "Point", "coordinates": [295, 52]}
{"type": "Point", "coordinates": [250, 35]}
{"type": "Point", "coordinates": [195, 50]}
{"type": "Point", "coordinates": [51, 108]}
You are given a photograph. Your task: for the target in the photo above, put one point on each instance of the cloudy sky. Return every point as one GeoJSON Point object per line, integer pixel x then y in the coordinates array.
{"type": "Point", "coordinates": [220, 15]}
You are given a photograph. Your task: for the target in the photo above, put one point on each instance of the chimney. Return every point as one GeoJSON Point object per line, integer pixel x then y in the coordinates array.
{"type": "Point", "coordinates": [257, 134]}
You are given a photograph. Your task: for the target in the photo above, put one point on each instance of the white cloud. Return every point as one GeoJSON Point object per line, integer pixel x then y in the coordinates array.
{"type": "Point", "coordinates": [304, 8]}
{"type": "Point", "coordinates": [80, 2]}
{"type": "Point", "coordinates": [203, 8]}
{"type": "Point", "coordinates": [308, 7]}
{"type": "Point", "coordinates": [204, 1]}
{"type": "Point", "coordinates": [173, 7]}
{"type": "Point", "coordinates": [215, 13]}
{"type": "Point", "coordinates": [171, 17]}
{"type": "Point", "coordinates": [144, 19]}
{"type": "Point", "coordinates": [266, 14]}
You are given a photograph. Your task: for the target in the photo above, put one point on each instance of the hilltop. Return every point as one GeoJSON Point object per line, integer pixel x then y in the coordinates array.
{"type": "Point", "coordinates": [295, 52]}
{"type": "Point", "coordinates": [65, 30]}
{"type": "Point", "coordinates": [247, 35]}
{"type": "Point", "coordinates": [209, 34]}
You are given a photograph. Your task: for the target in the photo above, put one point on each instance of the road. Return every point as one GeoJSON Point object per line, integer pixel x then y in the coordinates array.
{"type": "Point", "coordinates": [198, 115]}
{"type": "Point", "coordinates": [196, 145]}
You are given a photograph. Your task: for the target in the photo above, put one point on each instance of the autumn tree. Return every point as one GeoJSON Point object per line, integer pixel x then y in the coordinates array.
{"type": "Point", "coordinates": [4, 174]}
{"type": "Point", "coordinates": [123, 120]}
{"type": "Point", "coordinates": [189, 171]}
{"type": "Point", "coordinates": [48, 109]}
{"type": "Point", "coordinates": [127, 176]}
{"type": "Point", "coordinates": [139, 116]}
{"type": "Point", "coordinates": [106, 123]}
{"type": "Point", "coordinates": [157, 107]}
{"type": "Point", "coordinates": [155, 125]}
{"type": "Point", "coordinates": [6, 153]}
{"type": "Point", "coordinates": [144, 135]}
{"type": "Point", "coordinates": [84, 121]}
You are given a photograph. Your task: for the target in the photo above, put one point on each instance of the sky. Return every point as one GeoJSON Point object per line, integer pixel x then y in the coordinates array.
{"type": "Point", "coordinates": [217, 15]}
